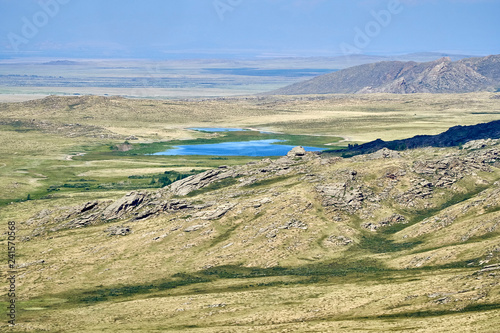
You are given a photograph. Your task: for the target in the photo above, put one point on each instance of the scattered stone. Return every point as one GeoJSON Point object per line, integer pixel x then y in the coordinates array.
{"type": "Point", "coordinates": [489, 268]}
{"type": "Point", "coordinates": [339, 240]}
{"type": "Point", "coordinates": [219, 212]}
{"type": "Point", "coordinates": [25, 265]}
{"type": "Point", "coordinates": [293, 223]}
{"type": "Point", "coordinates": [383, 153]}
{"type": "Point", "coordinates": [391, 220]}
{"type": "Point", "coordinates": [478, 144]}
{"type": "Point", "coordinates": [220, 305]}
{"type": "Point", "coordinates": [118, 231]}
{"type": "Point", "coordinates": [194, 228]}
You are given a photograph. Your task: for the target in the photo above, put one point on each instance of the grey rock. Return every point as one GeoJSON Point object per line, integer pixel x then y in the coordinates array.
{"type": "Point", "coordinates": [340, 240]}
{"type": "Point", "coordinates": [293, 223]}
{"type": "Point", "coordinates": [123, 205]}
{"type": "Point", "coordinates": [383, 153]}
{"type": "Point", "coordinates": [187, 185]}
{"type": "Point", "coordinates": [118, 231]}
{"type": "Point", "coordinates": [296, 152]}
{"type": "Point", "coordinates": [194, 228]}
{"type": "Point", "coordinates": [219, 212]}
{"type": "Point", "coordinates": [478, 144]}
{"type": "Point", "coordinates": [391, 220]}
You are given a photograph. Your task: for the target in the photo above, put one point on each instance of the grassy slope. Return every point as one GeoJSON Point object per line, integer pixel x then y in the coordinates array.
{"type": "Point", "coordinates": [296, 282]}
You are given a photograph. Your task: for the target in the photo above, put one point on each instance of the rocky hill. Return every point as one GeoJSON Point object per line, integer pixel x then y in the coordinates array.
{"type": "Point", "coordinates": [391, 235]}
{"type": "Point", "coordinates": [482, 134]}
{"type": "Point", "coordinates": [439, 76]}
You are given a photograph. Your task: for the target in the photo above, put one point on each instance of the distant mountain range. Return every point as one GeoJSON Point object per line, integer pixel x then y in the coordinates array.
{"type": "Point", "coordinates": [439, 76]}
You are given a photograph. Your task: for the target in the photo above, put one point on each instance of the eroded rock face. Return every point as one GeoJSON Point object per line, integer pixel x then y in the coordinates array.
{"type": "Point", "coordinates": [124, 205]}
{"type": "Point", "coordinates": [447, 170]}
{"type": "Point", "coordinates": [342, 196]}
{"type": "Point", "coordinates": [187, 185]}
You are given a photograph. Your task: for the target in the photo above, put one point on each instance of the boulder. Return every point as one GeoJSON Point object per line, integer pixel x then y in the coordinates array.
{"type": "Point", "coordinates": [296, 152]}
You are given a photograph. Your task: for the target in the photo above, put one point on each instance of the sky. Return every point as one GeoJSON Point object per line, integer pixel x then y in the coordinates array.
{"type": "Point", "coordinates": [166, 29]}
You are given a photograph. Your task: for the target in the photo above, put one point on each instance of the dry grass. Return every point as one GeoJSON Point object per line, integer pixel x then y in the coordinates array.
{"type": "Point", "coordinates": [93, 282]}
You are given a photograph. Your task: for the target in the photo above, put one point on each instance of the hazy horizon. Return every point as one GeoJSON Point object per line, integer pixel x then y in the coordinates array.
{"type": "Point", "coordinates": [168, 29]}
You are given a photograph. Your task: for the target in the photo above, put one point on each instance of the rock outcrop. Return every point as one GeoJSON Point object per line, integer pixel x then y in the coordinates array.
{"type": "Point", "coordinates": [187, 185]}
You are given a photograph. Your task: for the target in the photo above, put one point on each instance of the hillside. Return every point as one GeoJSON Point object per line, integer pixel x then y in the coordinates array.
{"type": "Point", "coordinates": [455, 136]}
{"type": "Point", "coordinates": [388, 241]}
{"type": "Point", "coordinates": [439, 76]}
{"type": "Point", "coordinates": [391, 241]}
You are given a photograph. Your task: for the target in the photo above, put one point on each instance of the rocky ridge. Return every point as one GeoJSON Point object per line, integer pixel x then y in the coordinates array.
{"type": "Point", "coordinates": [310, 194]}
{"type": "Point", "coordinates": [397, 77]}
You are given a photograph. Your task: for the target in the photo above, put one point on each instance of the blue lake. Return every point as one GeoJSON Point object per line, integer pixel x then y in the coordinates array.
{"type": "Point", "coordinates": [244, 148]}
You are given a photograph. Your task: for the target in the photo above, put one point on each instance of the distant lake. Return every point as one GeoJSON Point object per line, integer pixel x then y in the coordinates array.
{"type": "Point", "coordinates": [244, 148]}
{"type": "Point", "coordinates": [251, 71]}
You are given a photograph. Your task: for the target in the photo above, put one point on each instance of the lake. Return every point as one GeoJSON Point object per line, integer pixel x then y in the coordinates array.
{"type": "Point", "coordinates": [244, 148]}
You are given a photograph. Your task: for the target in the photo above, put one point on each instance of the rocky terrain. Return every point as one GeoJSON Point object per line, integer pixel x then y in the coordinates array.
{"type": "Point", "coordinates": [333, 200]}
{"type": "Point", "coordinates": [439, 76]}
{"type": "Point", "coordinates": [308, 241]}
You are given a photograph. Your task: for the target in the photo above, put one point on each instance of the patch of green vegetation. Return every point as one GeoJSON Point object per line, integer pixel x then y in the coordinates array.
{"type": "Point", "coordinates": [267, 182]}
{"type": "Point", "coordinates": [105, 294]}
{"type": "Point", "coordinates": [492, 209]}
{"type": "Point", "coordinates": [169, 177]}
{"type": "Point", "coordinates": [142, 149]}
{"type": "Point", "coordinates": [378, 243]}
{"type": "Point", "coordinates": [72, 106]}
{"type": "Point", "coordinates": [318, 269]}
{"type": "Point", "coordinates": [369, 269]}
{"type": "Point", "coordinates": [223, 236]}
{"type": "Point", "coordinates": [481, 307]}
{"type": "Point", "coordinates": [214, 186]}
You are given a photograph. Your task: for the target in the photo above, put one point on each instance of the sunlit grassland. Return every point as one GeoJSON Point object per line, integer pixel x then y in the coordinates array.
{"type": "Point", "coordinates": [93, 282]}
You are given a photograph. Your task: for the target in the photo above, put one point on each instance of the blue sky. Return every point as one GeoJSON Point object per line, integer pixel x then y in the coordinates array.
{"type": "Point", "coordinates": [245, 28]}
